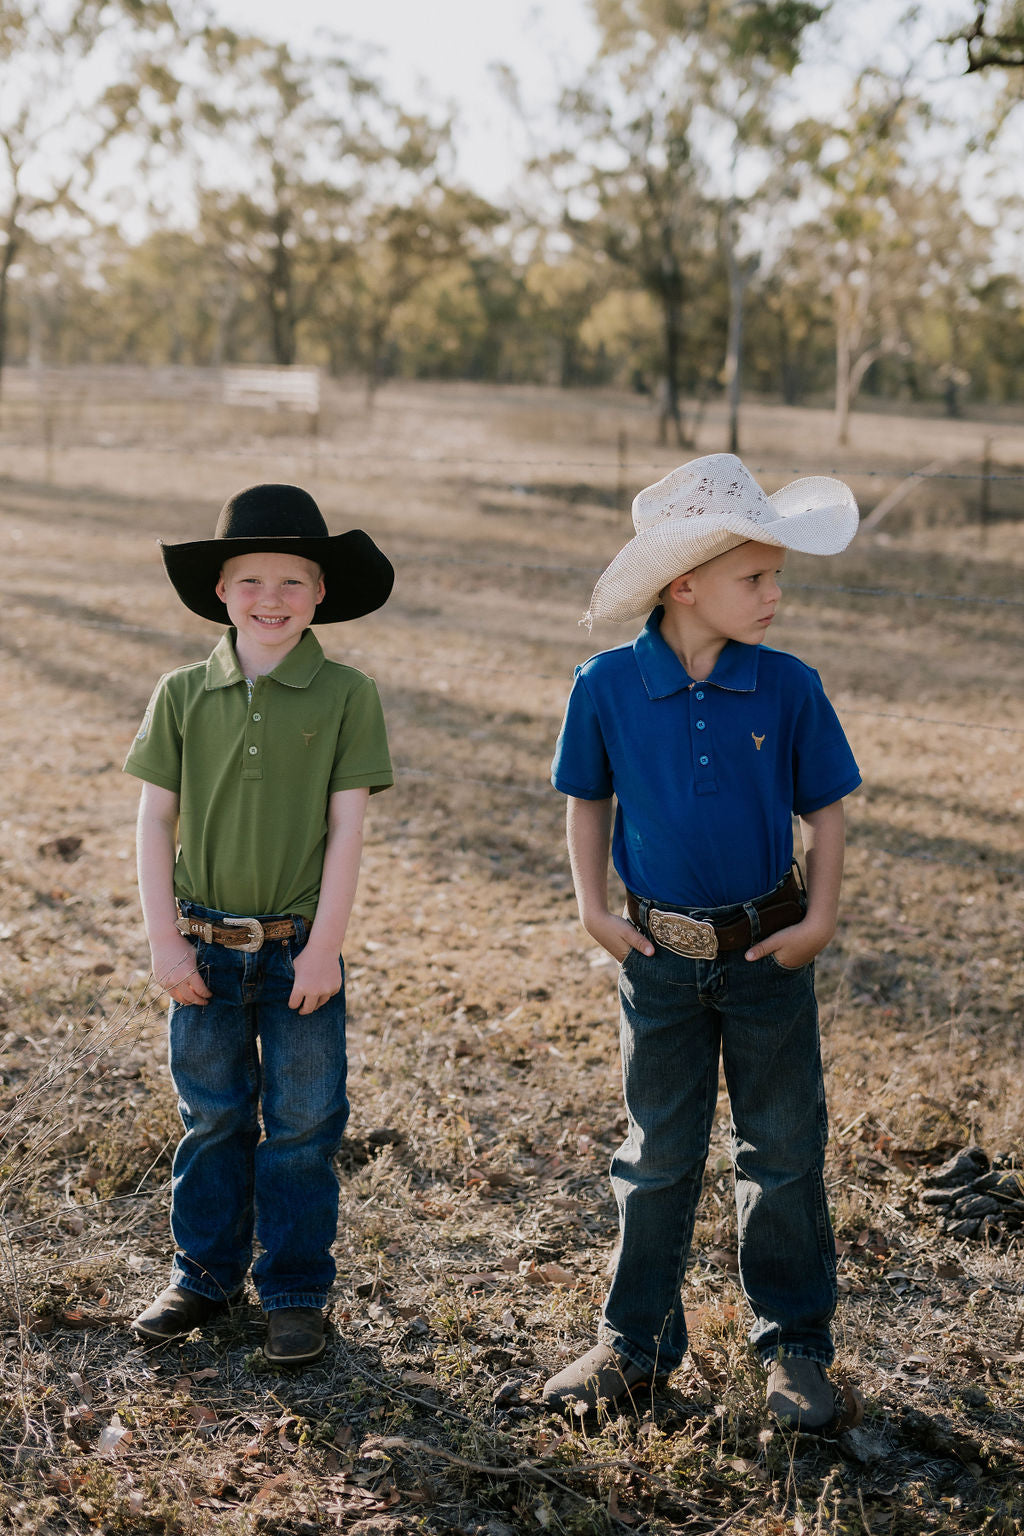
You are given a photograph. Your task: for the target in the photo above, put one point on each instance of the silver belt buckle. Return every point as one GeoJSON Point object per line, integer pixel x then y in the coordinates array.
{"type": "Point", "coordinates": [256, 934]}
{"type": "Point", "coordinates": [690, 936]}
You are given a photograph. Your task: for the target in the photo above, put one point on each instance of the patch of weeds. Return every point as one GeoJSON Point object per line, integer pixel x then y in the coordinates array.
{"type": "Point", "coordinates": [115, 1502]}
{"type": "Point", "coordinates": [132, 1148]}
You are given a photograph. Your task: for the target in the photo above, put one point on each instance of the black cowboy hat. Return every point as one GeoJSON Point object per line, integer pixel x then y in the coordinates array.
{"type": "Point", "coordinates": [282, 519]}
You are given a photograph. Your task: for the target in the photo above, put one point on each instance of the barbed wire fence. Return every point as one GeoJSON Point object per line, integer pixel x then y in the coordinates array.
{"type": "Point", "coordinates": [542, 790]}
{"type": "Point", "coordinates": [620, 463]}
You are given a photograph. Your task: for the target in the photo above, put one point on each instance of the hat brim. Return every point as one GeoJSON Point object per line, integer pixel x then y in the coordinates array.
{"type": "Point", "coordinates": [358, 577]}
{"type": "Point", "coordinates": [816, 516]}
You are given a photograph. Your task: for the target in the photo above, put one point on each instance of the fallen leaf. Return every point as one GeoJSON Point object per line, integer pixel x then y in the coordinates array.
{"type": "Point", "coordinates": [275, 1486]}
{"type": "Point", "coordinates": [616, 1512]}
{"type": "Point", "coordinates": [557, 1274]}
{"type": "Point", "coordinates": [114, 1440]}
{"type": "Point", "coordinates": [84, 1390]}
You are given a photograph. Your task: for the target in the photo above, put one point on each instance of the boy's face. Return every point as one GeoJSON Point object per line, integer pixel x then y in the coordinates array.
{"type": "Point", "coordinates": [270, 598]}
{"type": "Point", "coordinates": [734, 596]}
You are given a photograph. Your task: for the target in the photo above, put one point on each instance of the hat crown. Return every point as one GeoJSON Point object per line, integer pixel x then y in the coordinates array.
{"type": "Point", "coordinates": [717, 485]}
{"type": "Point", "coordinates": [271, 512]}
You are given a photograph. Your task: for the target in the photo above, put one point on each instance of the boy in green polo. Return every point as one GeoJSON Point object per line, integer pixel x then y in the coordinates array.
{"type": "Point", "coordinates": [257, 765]}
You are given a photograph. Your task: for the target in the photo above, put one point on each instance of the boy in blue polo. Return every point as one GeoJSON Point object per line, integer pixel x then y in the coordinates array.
{"type": "Point", "coordinates": [256, 766]}
{"type": "Point", "coordinates": [710, 744]}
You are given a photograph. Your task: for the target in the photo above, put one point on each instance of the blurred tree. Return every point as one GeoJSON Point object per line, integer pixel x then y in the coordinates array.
{"type": "Point", "coordinates": [953, 257]}
{"type": "Point", "coordinates": [634, 186]}
{"type": "Point", "coordinates": [631, 194]}
{"type": "Point", "coordinates": [626, 327]}
{"type": "Point", "coordinates": [341, 205]}
{"type": "Point", "coordinates": [790, 347]}
{"type": "Point", "coordinates": [866, 248]}
{"type": "Point", "coordinates": [563, 290]}
{"type": "Point", "coordinates": [394, 249]}
{"type": "Point", "coordinates": [438, 329]}
{"type": "Point", "coordinates": [290, 140]}
{"type": "Point", "coordinates": [169, 299]}
{"type": "Point", "coordinates": [73, 77]}
{"type": "Point", "coordinates": [994, 39]}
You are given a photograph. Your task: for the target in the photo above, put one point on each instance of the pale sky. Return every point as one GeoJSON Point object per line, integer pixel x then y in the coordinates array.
{"type": "Point", "coordinates": [442, 50]}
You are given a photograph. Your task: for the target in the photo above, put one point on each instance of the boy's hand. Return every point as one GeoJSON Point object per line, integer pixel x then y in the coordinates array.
{"type": "Point", "coordinates": [317, 978]}
{"type": "Point", "coordinates": [174, 969]}
{"type": "Point", "coordinates": [793, 947]}
{"type": "Point", "coordinates": [617, 935]}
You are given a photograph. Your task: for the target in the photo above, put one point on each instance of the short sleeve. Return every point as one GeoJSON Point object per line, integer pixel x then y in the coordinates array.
{"type": "Point", "coordinates": [362, 759]}
{"type": "Point", "coordinates": [824, 767]}
{"type": "Point", "coordinates": [581, 767]}
{"type": "Point", "coordinates": [155, 754]}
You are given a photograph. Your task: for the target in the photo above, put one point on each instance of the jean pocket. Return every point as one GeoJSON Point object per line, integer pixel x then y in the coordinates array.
{"type": "Point", "coordinates": [788, 970]}
{"type": "Point", "coordinates": [634, 956]}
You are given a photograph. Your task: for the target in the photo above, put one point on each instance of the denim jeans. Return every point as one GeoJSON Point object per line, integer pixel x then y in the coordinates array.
{"type": "Point", "coordinates": [243, 1055]}
{"type": "Point", "coordinates": [677, 1014]}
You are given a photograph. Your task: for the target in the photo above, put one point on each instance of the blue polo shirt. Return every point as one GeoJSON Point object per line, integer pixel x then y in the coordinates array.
{"type": "Point", "coordinates": [707, 775]}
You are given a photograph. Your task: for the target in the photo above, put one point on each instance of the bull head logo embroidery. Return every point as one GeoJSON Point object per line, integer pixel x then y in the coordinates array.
{"type": "Point", "coordinates": [757, 740]}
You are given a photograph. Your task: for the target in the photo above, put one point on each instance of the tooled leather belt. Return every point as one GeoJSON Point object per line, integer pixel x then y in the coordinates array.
{"type": "Point", "coordinates": [701, 939]}
{"type": "Point", "coordinates": [245, 933]}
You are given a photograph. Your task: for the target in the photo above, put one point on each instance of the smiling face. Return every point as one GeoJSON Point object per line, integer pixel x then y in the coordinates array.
{"type": "Point", "coordinates": [270, 598]}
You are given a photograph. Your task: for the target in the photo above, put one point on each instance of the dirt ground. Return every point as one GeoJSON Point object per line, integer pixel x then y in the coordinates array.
{"type": "Point", "coordinates": [477, 1221]}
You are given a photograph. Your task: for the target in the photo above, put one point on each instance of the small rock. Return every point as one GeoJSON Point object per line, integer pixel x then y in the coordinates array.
{"type": "Point", "coordinates": [507, 1392]}
{"type": "Point", "coordinates": [978, 1205]}
{"type": "Point", "coordinates": [961, 1169]}
{"type": "Point", "coordinates": [863, 1446]}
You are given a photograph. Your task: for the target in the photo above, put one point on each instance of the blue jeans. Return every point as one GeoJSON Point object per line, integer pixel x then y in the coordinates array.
{"type": "Point", "coordinates": [244, 1053]}
{"type": "Point", "coordinates": [677, 1014]}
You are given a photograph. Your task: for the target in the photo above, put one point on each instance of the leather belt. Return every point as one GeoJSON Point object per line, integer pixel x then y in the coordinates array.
{"type": "Point", "coordinates": [698, 938]}
{"type": "Point", "coordinates": [244, 933]}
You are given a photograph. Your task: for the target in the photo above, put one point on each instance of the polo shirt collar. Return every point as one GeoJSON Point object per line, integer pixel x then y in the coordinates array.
{"type": "Point", "coordinates": [664, 674]}
{"type": "Point", "coordinates": [297, 670]}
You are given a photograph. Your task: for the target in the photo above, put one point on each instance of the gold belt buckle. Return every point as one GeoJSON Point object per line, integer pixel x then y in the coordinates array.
{"type": "Point", "coordinates": [256, 934]}
{"type": "Point", "coordinates": [693, 937]}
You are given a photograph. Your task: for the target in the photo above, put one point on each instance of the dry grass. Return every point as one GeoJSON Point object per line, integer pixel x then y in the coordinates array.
{"type": "Point", "coordinates": [476, 1219]}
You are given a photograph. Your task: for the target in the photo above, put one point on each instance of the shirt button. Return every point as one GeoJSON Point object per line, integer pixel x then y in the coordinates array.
{"type": "Point", "coordinates": [700, 725]}
{"type": "Point", "coordinates": [703, 762]}
{"type": "Point", "coordinates": [257, 717]}
{"type": "Point", "coordinates": [253, 751]}
{"type": "Point", "coordinates": [699, 695]}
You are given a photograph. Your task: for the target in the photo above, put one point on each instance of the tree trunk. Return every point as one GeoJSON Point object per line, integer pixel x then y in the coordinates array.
{"type": "Point", "coordinates": [739, 275]}
{"type": "Point", "coordinates": [669, 287]}
{"type": "Point", "coordinates": [844, 346]}
{"type": "Point", "coordinates": [7, 261]}
{"type": "Point", "coordinates": [282, 296]}
{"type": "Point", "coordinates": [672, 316]}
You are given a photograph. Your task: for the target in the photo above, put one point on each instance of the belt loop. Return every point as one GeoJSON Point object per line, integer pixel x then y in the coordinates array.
{"type": "Point", "coordinates": [754, 919]}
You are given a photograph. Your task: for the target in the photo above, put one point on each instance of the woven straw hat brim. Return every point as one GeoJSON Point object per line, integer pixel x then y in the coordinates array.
{"type": "Point", "coordinates": [358, 577]}
{"type": "Point", "coordinates": [629, 588]}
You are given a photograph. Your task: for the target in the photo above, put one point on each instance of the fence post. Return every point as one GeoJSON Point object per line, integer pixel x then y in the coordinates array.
{"type": "Point", "coordinates": [984, 496]}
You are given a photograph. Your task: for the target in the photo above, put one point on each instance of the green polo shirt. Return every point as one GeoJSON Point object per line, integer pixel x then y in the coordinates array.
{"type": "Point", "coordinates": [254, 776]}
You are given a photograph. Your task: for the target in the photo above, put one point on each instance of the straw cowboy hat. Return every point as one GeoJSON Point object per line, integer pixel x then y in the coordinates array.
{"type": "Point", "coordinates": [282, 519]}
{"type": "Point", "coordinates": [706, 507]}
